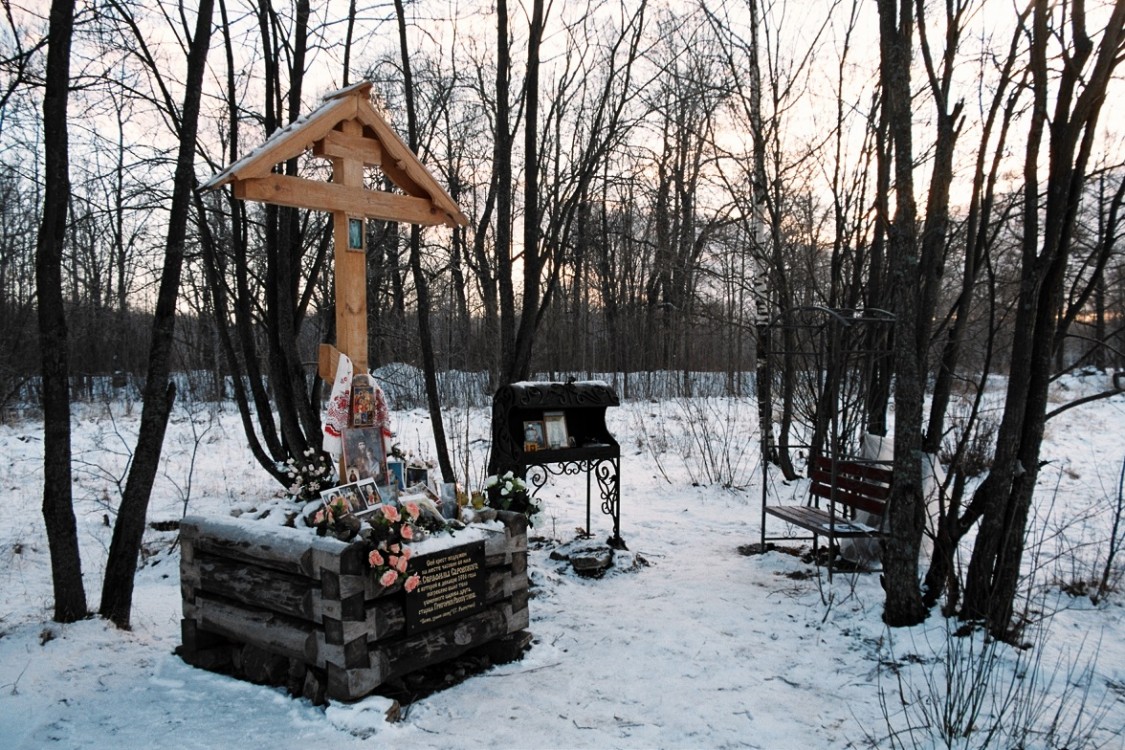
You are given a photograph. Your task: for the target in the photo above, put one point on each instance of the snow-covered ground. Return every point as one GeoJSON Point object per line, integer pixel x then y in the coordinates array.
{"type": "Point", "coordinates": [703, 647]}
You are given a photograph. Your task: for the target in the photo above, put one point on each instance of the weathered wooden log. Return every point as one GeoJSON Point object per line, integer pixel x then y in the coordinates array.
{"type": "Point", "coordinates": [349, 652]}
{"type": "Point", "coordinates": [342, 597]}
{"type": "Point", "coordinates": [507, 648]}
{"type": "Point", "coordinates": [515, 619]}
{"type": "Point", "coordinates": [385, 619]}
{"type": "Point", "coordinates": [442, 643]}
{"type": "Point", "coordinates": [352, 684]}
{"type": "Point", "coordinates": [340, 586]}
{"type": "Point", "coordinates": [295, 677]}
{"type": "Point", "coordinates": [316, 686]}
{"type": "Point", "coordinates": [287, 593]}
{"type": "Point", "coordinates": [501, 584]}
{"type": "Point", "coordinates": [515, 523]}
{"type": "Point", "coordinates": [520, 599]}
{"type": "Point", "coordinates": [262, 667]}
{"type": "Point", "coordinates": [277, 547]}
{"type": "Point", "coordinates": [280, 634]}
{"type": "Point", "coordinates": [203, 649]}
{"type": "Point", "coordinates": [195, 639]}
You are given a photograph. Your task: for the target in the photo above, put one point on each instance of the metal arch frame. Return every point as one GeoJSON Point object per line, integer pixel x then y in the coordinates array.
{"type": "Point", "coordinates": [606, 471]}
{"type": "Point", "coordinates": [839, 322]}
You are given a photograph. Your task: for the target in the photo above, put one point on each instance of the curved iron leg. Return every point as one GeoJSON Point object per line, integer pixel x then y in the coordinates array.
{"type": "Point", "coordinates": [606, 471]}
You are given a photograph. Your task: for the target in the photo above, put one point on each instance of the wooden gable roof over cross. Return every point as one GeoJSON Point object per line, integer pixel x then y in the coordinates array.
{"type": "Point", "coordinates": [346, 130]}
{"type": "Point", "coordinates": [344, 127]}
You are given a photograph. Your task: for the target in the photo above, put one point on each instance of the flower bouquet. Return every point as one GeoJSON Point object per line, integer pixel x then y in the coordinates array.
{"type": "Point", "coordinates": [509, 492]}
{"type": "Point", "coordinates": [314, 472]}
{"type": "Point", "coordinates": [335, 518]}
{"type": "Point", "coordinates": [391, 531]}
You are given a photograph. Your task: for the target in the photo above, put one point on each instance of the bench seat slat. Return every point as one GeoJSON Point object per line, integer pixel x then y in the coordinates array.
{"type": "Point", "coordinates": [816, 520]}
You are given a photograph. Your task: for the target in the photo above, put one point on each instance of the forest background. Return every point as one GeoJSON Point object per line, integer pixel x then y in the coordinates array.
{"type": "Point", "coordinates": [649, 184]}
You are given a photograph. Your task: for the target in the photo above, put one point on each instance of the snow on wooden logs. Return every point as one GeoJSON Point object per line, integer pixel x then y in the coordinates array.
{"type": "Point", "coordinates": [279, 605]}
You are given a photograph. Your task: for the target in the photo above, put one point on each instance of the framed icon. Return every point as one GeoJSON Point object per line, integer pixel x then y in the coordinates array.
{"type": "Point", "coordinates": [364, 455]}
{"type": "Point", "coordinates": [556, 432]}
{"type": "Point", "coordinates": [534, 435]}
{"type": "Point", "coordinates": [355, 235]}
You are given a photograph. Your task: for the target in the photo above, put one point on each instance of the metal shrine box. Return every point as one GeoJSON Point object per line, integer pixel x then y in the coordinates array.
{"type": "Point", "coordinates": [551, 428]}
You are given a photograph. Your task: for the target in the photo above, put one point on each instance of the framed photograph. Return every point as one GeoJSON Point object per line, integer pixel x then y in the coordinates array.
{"type": "Point", "coordinates": [372, 498]}
{"type": "Point", "coordinates": [336, 494]}
{"type": "Point", "coordinates": [355, 235]}
{"type": "Point", "coordinates": [396, 473]}
{"type": "Point", "coordinates": [417, 475]}
{"type": "Point", "coordinates": [534, 436]}
{"type": "Point", "coordinates": [364, 454]}
{"type": "Point", "coordinates": [555, 429]}
{"type": "Point", "coordinates": [355, 499]}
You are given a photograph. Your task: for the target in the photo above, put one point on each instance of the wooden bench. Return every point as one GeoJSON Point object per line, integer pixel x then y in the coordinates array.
{"type": "Point", "coordinates": [848, 486]}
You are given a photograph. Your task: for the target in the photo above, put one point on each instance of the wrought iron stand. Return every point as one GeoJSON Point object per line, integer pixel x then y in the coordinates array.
{"type": "Point", "coordinates": [593, 450]}
{"type": "Point", "coordinates": [604, 470]}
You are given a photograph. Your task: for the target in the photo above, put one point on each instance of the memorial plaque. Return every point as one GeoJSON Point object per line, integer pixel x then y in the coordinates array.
{"type": "Point", "coordinates": [452, 587]}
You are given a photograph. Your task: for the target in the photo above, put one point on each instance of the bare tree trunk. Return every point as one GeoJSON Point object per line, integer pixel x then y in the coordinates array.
{"type": "Point", "coordinates": [300, 426]}
{"type": "Point", "coordinates": [238, 344]}
{"type": "Point", "coordinates": [159, 392]}
{"type": "Point", "coordinates": [58, 508]}
{"type": "Point", "coordinates": [1003, 500]}
{"type": "Point", "coordinates": [763, 371]}
{"type": "Point", "coordinates": [519, 366]}
{"type": "Point", "coordinates": [879, 392]}
{"type": "Point", "coordinates": [978, 233]}
{"type": "Point", "coordinates": [421, 285]}
{"type": "Point", "coordinates": [265, 321]}
{"type": "Point", "coordinates": [502, 158]}
{"type": "Point", "coordinates": [906, 506]}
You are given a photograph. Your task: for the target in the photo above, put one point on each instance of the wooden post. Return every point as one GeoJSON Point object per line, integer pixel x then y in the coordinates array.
{"type": "Point", "coordinates": [351, 265]}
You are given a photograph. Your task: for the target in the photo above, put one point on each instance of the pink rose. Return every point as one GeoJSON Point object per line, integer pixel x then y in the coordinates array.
{"type": "Point", "coordinates": [406, 553]}
{"type": "Point", "coordinates": [375, 559]}
{"type": "Point", "coordinates": [413, 510]}
{"type": "Point", "coordinates": [396, 548]}
{"type": "Point", "coordinates": [388, 578]}
{"type": "Point", "coordinates": [390, 513]}
{"type": "Point", "coordinates": [318, 517]}
{"type": "Point", "coordinates": [407, 532]}
{"type": "Point", "coordinates": [412, 582]}
{"type": "Point", "coordinates": [400, 565]}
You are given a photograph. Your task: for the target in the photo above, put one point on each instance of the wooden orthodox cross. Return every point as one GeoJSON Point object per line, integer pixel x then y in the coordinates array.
{"type": "Point", "coordinates": [348, 131]}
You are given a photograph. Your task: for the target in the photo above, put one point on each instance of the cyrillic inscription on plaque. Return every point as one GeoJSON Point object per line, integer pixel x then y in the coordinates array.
{"type": "Point", "coordinates": [452, 587]}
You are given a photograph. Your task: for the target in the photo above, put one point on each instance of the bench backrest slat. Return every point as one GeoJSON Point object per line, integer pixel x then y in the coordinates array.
{"type": "Point", "coordinates": [861, 486]}
{"type": "Point", "coordinates": [865, 487]}
{"type": "Point", "coordinates": [849, 499]}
